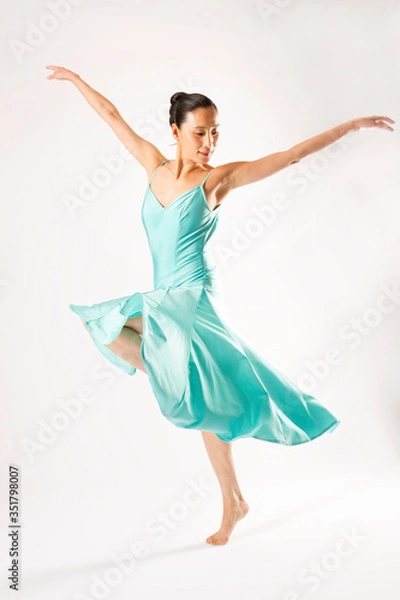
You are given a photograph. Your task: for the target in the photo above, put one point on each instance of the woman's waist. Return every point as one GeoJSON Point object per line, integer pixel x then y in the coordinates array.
{"type": "Point", "coordinates": [187, 276]}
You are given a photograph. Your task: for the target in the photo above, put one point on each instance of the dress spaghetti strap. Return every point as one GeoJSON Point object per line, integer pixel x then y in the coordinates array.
{"type": "Point", "coordinates": [206, 177]}
{"type": "Point", "coordinates": [163, 163]}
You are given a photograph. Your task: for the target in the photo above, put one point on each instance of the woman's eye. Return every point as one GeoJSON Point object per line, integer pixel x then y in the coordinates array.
{"type": "Point", "coordinates": [215, 133]}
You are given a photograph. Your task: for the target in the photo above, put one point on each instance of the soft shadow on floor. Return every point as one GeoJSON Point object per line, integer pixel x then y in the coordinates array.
{"type": "Point", "coordinates": [278, 519]}
{"type": "Point", "coordinates": [287, 515]}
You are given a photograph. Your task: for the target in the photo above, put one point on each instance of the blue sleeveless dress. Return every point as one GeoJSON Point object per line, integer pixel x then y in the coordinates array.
{"type": "Point", "coordinates": [202, 374]}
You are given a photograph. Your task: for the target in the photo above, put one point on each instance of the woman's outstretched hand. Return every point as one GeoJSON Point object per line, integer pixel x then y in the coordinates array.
{"type": "Point", "coordinates": [61, 73]}
{"type": "Point", "coordinates": [373, 121]}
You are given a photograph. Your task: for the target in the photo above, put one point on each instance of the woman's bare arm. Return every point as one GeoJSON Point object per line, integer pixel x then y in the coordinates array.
{"type": "Point", "coordinates": [241, 173]}
{"type": "Point", "coordinates": [144, 151]}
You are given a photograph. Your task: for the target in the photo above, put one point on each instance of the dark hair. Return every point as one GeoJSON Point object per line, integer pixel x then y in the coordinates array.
{"type": "Point", "coordinates": [183, 103]}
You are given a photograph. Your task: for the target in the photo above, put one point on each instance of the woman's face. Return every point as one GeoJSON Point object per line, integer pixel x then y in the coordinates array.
{"type": "Point", "coordinates": [198, 135]}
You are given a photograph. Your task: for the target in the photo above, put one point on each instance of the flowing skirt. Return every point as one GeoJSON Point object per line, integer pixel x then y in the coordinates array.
{"type": "Point", "coordinates": [203, 374]}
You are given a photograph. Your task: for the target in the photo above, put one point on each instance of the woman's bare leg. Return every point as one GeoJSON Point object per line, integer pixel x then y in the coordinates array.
{"type": "Point", "coordinates": [127, 344]}
{"type": "Point", "coordinates": [234, 505]}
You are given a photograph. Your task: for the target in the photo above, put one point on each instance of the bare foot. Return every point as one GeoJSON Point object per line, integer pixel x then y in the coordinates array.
{"type": "Point", "coordinates": [233, 511]}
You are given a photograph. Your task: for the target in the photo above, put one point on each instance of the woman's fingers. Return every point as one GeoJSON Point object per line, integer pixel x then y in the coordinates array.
{"type": "Point", "coordinates": [54, 69]}
{"type": "Point", "coordinates": [59, 72]}
{"type": "Point", "coordinates": [380, 121]}
{"type": "Point", "coordinates": [383, 119]}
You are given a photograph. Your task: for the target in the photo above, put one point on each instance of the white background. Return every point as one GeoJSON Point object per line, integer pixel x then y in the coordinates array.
{"type": "Point", "coordinates": [296, 287]}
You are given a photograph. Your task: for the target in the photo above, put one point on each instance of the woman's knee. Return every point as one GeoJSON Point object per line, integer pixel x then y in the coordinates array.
{"type": "Point", "coordinates": [127, 346]}
{"type": "Point", "coordinates": [135, 323]}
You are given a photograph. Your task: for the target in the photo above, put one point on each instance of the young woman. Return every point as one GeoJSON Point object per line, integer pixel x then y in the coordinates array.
{"type": "Point", "coordinates": [203, 375]}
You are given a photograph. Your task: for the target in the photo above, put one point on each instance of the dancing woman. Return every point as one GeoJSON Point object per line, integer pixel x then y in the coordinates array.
{"type": "Point", "coordinates": [203, 374]}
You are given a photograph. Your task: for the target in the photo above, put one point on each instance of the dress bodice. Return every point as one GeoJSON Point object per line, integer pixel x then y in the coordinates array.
{"type": "Point", "coordinates": [178, 235]}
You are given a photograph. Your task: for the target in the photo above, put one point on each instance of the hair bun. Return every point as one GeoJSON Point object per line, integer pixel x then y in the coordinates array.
{"type": "Point", "coordinates": [177, 96]}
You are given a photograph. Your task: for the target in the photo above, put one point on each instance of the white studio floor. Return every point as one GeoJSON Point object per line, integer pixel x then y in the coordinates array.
{"type": "Point", "coordinates": [315, 539]}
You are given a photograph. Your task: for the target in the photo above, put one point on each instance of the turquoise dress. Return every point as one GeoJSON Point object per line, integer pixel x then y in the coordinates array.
{"type": "Point", "coordinates": [202, 373]}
